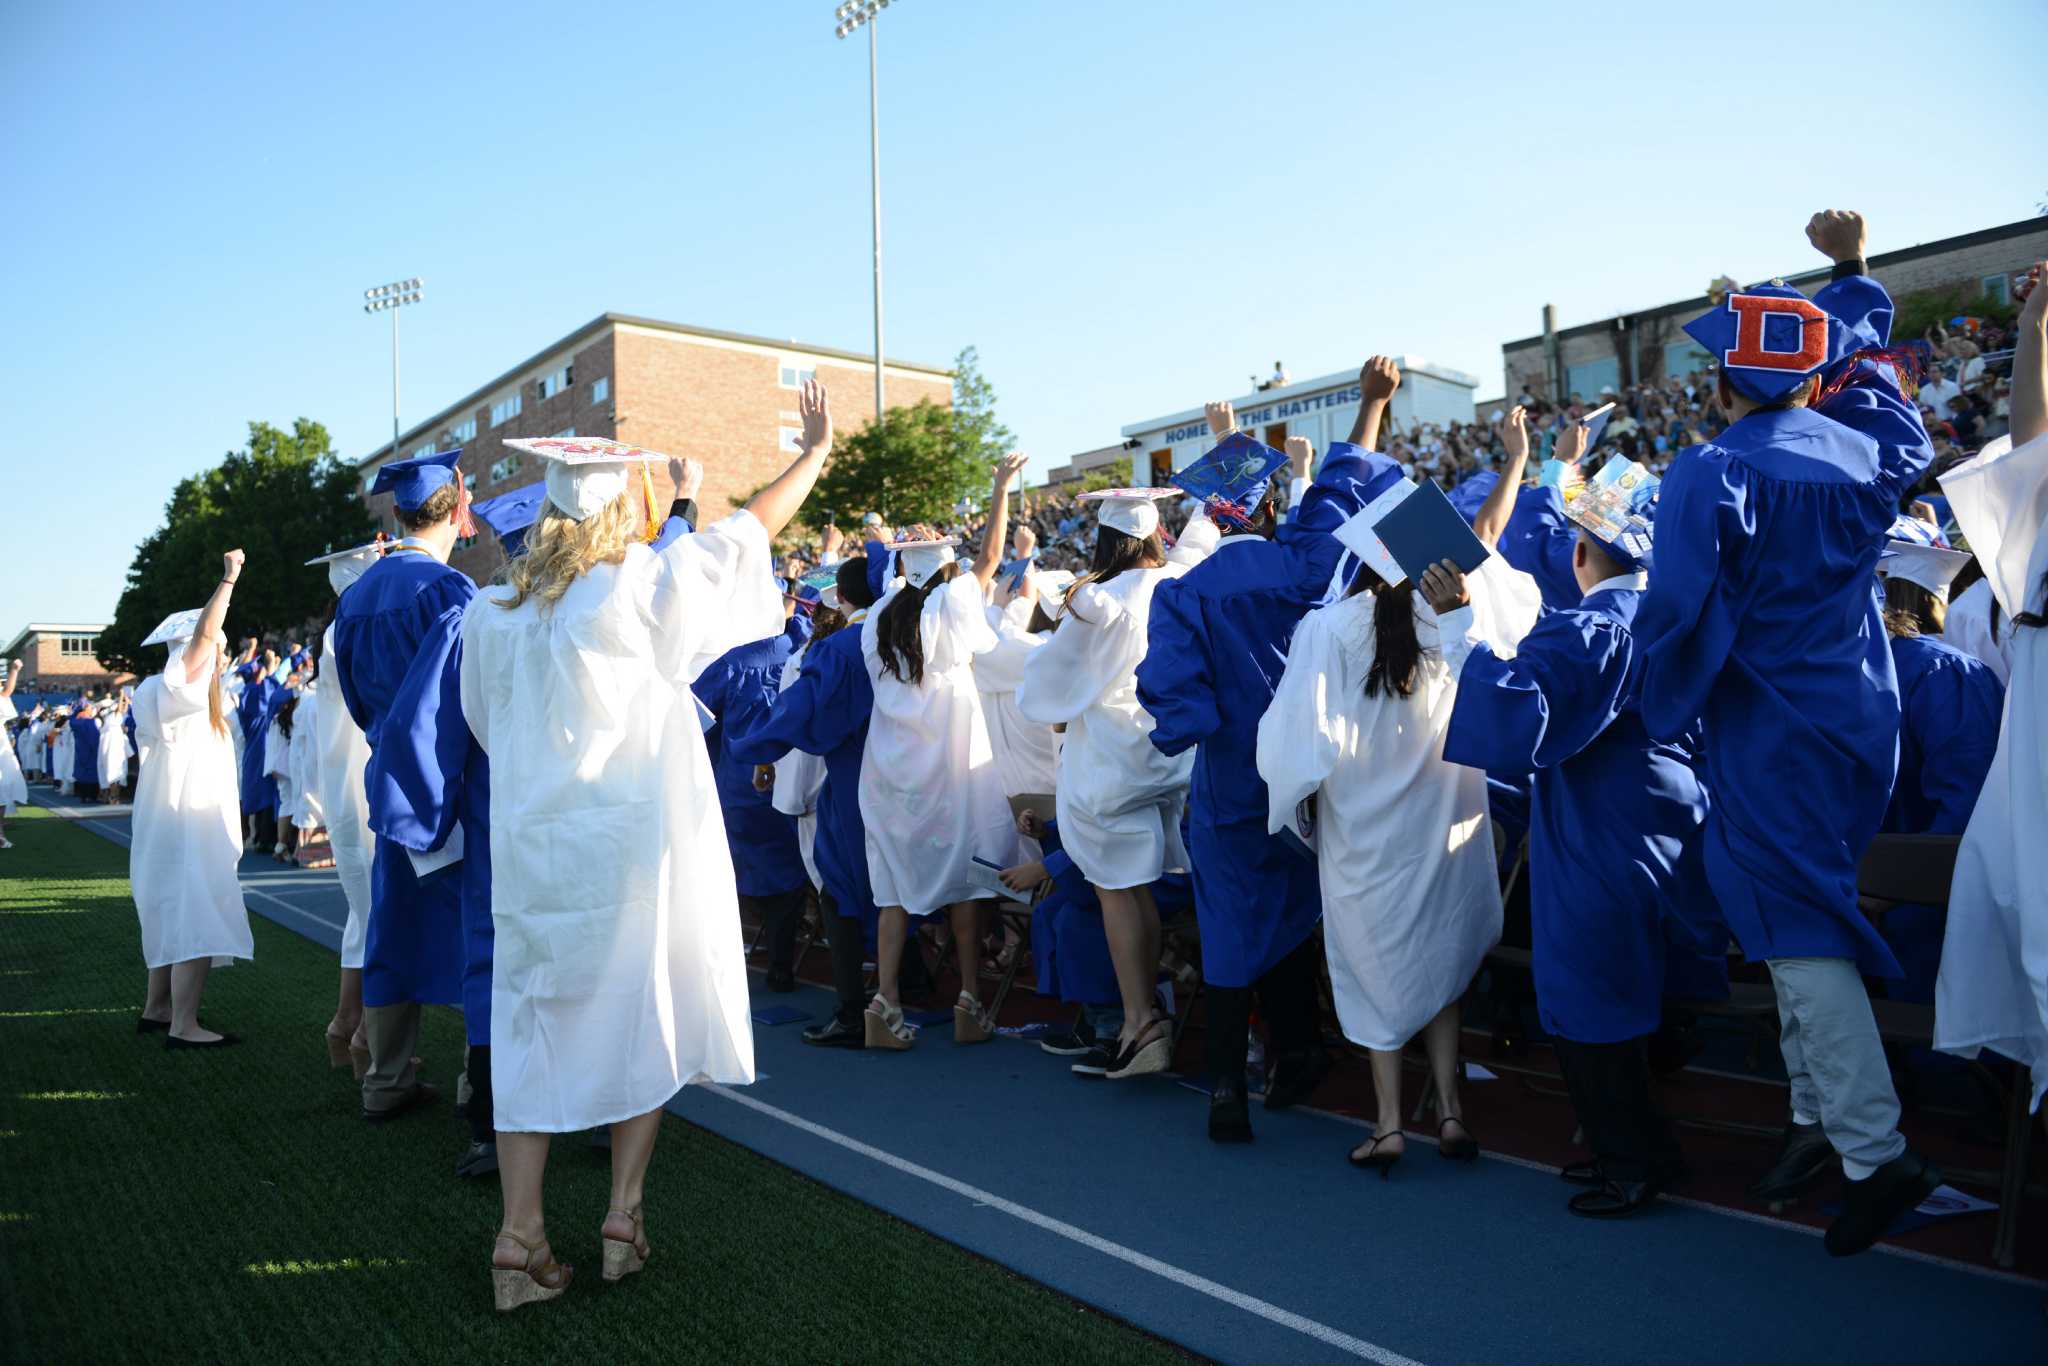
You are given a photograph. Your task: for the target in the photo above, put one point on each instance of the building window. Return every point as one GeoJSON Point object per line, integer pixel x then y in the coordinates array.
{"type": "Point", "coordinates": [565, 434]}
{"type": "Point", "coordinates": [75, 646]}
{"type": "Point", "coordinates": [369, 482]}
{"type": "Point", "coordinates": [469, 482]}
{"type": "Point", "coordinates": [794, 375]}
{"type": "Point", "coordinates": [505, 409]}
{"type": "Point", "coordinates": [1998, 289]}
{"type": "Point", "coordinates": [555, 381]}
{"type": "Point", "coordinates": [504, 469]}
{"type": "Point", "coordinates": [463, 432]}
{"type": "Point", "coordinates": [789, 437]}
{"type": "Point", "coordinates": [600, 388]}
{"type": "Point", "coordinates": [424, 449]}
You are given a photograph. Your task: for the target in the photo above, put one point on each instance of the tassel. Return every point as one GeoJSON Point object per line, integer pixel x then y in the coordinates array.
{"type": "Point", "coordinates": [654, 521]}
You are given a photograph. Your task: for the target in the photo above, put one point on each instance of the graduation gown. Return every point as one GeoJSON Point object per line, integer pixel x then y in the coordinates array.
{"type": "Point", "coordinates": [1069, 946]}
{"type": "Point", "coordinates": [62, 762]}
{"type": "Point", "coordinates": [302, 758]}
{"type": "Point", "coordinates": [799, 782]}
{"type": "Point", "coordinates": [13, 783]}
{"type": "Point", "coordinates": [398, 659]}
{"type": "Point", "coordinates": [187, 826]}
{"type": "Point", "coordinates": [1027, 751]}
{"type": "Point", "coordinates": [256, 708]}
{"type": "Point", "coordinates": [1969, 628]}
{"type": "Point", "coordinates": [739, 688]}
{"type": "Point", "coordinates": [825, 712]}
{"type": "Point", "coordinates": [621, 973]}
{"type": "Point", "coordinates": [1539, 541]}
{"type": "Point", "coordinates": [344, 754]}
{"type": "Point", "coordinates": [1216, 646]}
{"type": "Point", "coordinates": [1404, 851]}
{"type": "Point", "coordinates": [1615, 816]}
{"type": "Point", "coordinates": [277, 767]}
{"type": "Point", "coordinates": [929, 792]}
{"type": "Point", "coordinates": [113, 749]}
{"type": "Point", "coordinates": [85, 749]}
{"type": "Point", "coordinates": [1762, 622]}
{"type": "Point", "coordinates": [1993, 987]}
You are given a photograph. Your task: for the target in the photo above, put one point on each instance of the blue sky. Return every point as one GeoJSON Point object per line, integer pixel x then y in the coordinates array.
{"type": "Point", "coordinates": [1127, 207]}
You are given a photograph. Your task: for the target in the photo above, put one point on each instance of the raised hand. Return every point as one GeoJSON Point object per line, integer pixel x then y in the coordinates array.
{"type": "Point", "coordinates": [1514, 433]}
{"type": "Point", "coordinates": [1024, 542]}
{"type": "Point", "coordinates": [1378, 378]}
{"type": "Point", "coordinates": [1571, 442]}
{"type": "Point", "coordinates": [1300, 455]}
{"type": "Point", "coordinates": [1009, 467]}
{"type": "Point", "coordinates": [231, 569]}
{"type": "Point", "coordinates": [1443, 587]}
{"type": "Point", "coordinates": [1836, 234]}
{"type": "Point", "coordinates": [834, 538]}
{"type": "Point", "coordinates": [1221, 417]}
{"type": "Point", "coordinates": [687, 475]}
{"type": "Point", "coordinates": [816, 411]}
{"type": "Point", "coordinates": [2033, 296]}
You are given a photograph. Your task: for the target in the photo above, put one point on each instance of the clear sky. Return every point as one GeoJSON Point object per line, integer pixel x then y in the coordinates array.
{"type": "Point", "coordinates": [1128, 207]}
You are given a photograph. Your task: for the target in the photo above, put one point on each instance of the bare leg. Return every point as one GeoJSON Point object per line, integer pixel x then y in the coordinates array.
{"type": "Point", "coordinates": [632, 1148]}
{"type": "Point", "coordinates": [157, 1005]}
{"type": "Point", "coordinates": [188, 984]}
{"type": "Point", "coordinates": [1386, 1089]}
{"type": "Point", "coordinates": [522, 1162]}
{"type": "Point", "coordinates": [1131, 924]}
{"type": "Point", "coordinates": [892, 927]}
{"type": "Point", "coordinates": [1440, 1039]}
{"type": "Point", "coordinates": [348, 1005]}
{"type": "Point", "coordinates": [966, 918]}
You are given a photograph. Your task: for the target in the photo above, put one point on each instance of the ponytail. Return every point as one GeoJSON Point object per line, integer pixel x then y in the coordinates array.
{"type": "Point", "coordinates": [899, 637]}
{"type": "Point", "coordinates": [1396, 652]}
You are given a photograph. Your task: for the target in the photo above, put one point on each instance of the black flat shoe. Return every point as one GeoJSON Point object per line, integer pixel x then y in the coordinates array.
{"type": "Point", "coordinates": [1295, 1078]}
{"type": "Point", "coordinates": [1614, 1199]}
{"type": "Point", "coordinates": [1804, 1157]}
{"type": "Point", "coordinates": [145, 1025]}
{"type": "Point", "coordinates": [421, 1096]}
{"type": "Point", "coordinates": [172, 1041]}
{"type": "Point", "coordinates": [1465, 1149]}
{"type": "Point", "coordinates": [1230, 1118]}
{"type": "Point", "coordinates": [481, 1160]}
{"type": "Point", "coordinates": [836, 1033]}
{"type": "Point", "coordinates": [1373, 1160]}
{"type": "Point", "coordinates": [1869, 1206]}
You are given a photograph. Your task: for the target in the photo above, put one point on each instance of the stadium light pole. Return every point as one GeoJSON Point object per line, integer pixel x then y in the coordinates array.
{"type": "Point", "coordinates": [858, 14]}
{"type": "Point", "coordinates": [389, 299]}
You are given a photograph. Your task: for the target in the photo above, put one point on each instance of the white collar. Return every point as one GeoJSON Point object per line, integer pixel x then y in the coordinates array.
{"type": "Point", "coordinates": [1237, 537]}
{"type": "Point", "coordinates": [1636, 580]}
{"type": "Point", "coordinates": [860, 615]}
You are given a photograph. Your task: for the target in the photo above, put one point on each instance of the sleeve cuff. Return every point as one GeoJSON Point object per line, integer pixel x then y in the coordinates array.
{"type": "Point", "coordinates": [686, 509]}
{"type": "Point", "coordinates": [1855, 265]}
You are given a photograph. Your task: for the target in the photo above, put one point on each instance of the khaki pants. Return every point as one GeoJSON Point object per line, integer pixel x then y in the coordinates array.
{"type": "Point", "coordinates": [393, 1033]}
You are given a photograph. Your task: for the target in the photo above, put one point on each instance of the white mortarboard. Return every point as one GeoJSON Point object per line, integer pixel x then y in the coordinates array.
{"type": "Point", "coordinates": [175, 627]}
{"type": "Point", "coordinates": [584, 473]}
{"type": "Point", "coordinates": [1358, 537]}
{"type": "Point", "coordinates": [344, 567]}
{"type": "Point", "coordinates": [1933, 567]}
{"type": "Point", "coordinates": [828, 598]}
{"type": "Point", "coordinates": [1052, 585]}
{"type": "Point", "coordinates": [1134, 512]}
{"type": "Point", "coordinates": [919, 560]}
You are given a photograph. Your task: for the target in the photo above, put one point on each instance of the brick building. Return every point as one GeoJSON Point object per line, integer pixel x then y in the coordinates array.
{"type": "Point", "coordinates": [60, 657]}
{"type": "Point", "coordinates": [1637, 347]}
{"type": "Point", "coordinates": [726, 399]}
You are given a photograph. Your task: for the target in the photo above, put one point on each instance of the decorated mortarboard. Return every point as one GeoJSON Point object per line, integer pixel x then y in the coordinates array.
{"type": "Point", "coordinates": [1933, 567]}
{"type": "Point", "coordinates": [1769, 338]}
{"type": "Point", "coordinates": [1614, 508]}
{"type": "Point", "coordinates": [584, 473]}
{"type": "Point", "coordinates": [1914, 531]}
{"type": "Point", "coordinates": [510, 515]}
{"type": "Point", "coordinates": [344, 567]}
{"type": "Point", "coordinates": [1134, 512]}
{"type": "Point", "coordinates": [1563, 476]}
{"type": "Point", "coordinates": [175, 627]}
{"type": "Point", "coordinates": [412, 481]}
{"type": "Point", "coordinates": [1470, 495]}
{"type": "Point", "coordinates": [1231, 479]}
{"type": "Point", "coordinates": [1357, 534]}
{"type": "Point", "coordinates": [920, 560]}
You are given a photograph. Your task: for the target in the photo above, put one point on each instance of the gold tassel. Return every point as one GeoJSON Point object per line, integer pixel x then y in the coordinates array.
{"type": "Point", "coordinates": [653, 520]}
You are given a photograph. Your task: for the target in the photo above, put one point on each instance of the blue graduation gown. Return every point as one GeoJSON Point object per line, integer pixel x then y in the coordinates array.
{"type": "Point", "coordinates": [1216, 646]}
{"type": "Point", "coordinates": [740, 687]}
{"type": "Point", "coordinates": [825, 712]}
{"type": "Point", "coordinates": [261, 696]}
{"type": "Point", "coordinates": [1614, 818]}
{"type": "Point", "coordinates": [398, 635]}
{"type": "Point", "coordinates": [85, 750]}
{"type": "Point", "coordinates": [1069, 946]}
{"type": "Point", "coordinates": [1538, 540]}
{"type": "Point", "coordinates": [1951, 705]}
{"type": "Point", "coordinates": [1762, 623]}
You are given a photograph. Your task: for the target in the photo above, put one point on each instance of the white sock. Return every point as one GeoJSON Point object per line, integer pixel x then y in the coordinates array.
{"type": "Point", "coordinates": [1804, 1120]}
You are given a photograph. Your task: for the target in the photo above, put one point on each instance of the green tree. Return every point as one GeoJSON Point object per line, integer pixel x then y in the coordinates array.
{"type": "Point", "coordinates": [920, 461]}
{"type": "Point", "coordinates": [284, 498]}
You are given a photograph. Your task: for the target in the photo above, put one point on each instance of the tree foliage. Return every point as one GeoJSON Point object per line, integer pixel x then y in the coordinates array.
{"type": "Point", "coordinates": [920, 462]}
{"type": "Point", "coordinates": [284, 498]}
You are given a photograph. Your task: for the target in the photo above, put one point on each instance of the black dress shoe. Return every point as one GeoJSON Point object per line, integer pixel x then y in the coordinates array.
{"type": "Point", "coordinates": [1230, 1117]}
{"type": "Point", "coordinates": [145, 1025]}
{"type": "Point", "coordinates": [480, 1160]}
{"type": "Point", "coordinates": [836, 1033]}
{"type": "Point", "coordinates": [1614, 1199]}
{"type": "Point", "coordinates": [172, 1041]}
{"type": "Point", "coordinates": [1870, 1205]}
{"type": "Point", "coordinates": [1295, 1078]}
{"type": "Point", "coordinates": [421, 1095]}
{"type": "Point", "coordinates": [1068, 1043]}
{"type": "Point", "coordinates": [1804, 1157]}
{"type": "Point", "coordinates": [781, 979]}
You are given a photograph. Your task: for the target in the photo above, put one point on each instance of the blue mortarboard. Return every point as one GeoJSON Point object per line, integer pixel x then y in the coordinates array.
{"type": "Point", "coordinates": [1769, 338]}
{"type": "Point", "coordinates": [510, 514]}
{"type": "Point", "coordinates": [1914, 531]}
{"type": "Point", "coordinates": [1615, 509]}
{"type": "Point", "coordinates": [413, 481]}
{"type": "Point", "coordinates": [1231, 479]}
{"type": "Point", "coordinates": [1471, 494]}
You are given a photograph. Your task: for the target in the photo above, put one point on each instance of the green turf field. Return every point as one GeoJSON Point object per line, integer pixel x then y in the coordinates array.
{"type": "Point", "coordinates": [231, 1207]}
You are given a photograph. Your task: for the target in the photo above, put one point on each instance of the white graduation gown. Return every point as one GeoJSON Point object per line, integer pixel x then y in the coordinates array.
{"type": "Point", "coordinates": [113, 749]}
{"type": "Point", "coordinates": [1992, 991]}
{"type": "Point", "coordinates": [343, 752]}
{"type": "Point", "coordinates": [1027, 751]}
{"type": "Point", "coordinates": [13, 785]}
{"type": "Point", "coordinates": [63, 756]}
{"type": "Point", "coordinates": [1968, 628]}
{"type": "Point", "coordinates": [799, 778]}
{"type": "Point", "coordinates": [28, 746]}
{"type": "Point", "coordinates": [187, 826]}
{"type": "Point", "coordinates": [276, 763]}
{"type": "Point", "coordinates": [929, 791]}
{"type": "Point", "coordinates": [1411, 896]}
{"type": "Point", "coordinates": [619, 973]}
{"type": "Point", "coordinates": [302, 760]}
{"type": "Point", "coordinates": [1119, 799]}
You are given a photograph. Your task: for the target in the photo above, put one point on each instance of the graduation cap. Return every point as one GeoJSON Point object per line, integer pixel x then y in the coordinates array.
{"type": "Point", "coordinates": [1134, 512]}
{"type": "Point", "coordinates": [1053, 587]}
{"type": "Point", "coordinates": [1597, 420]}
{"type": "Point", "coordinates": [1614, 508]}
{"type": "Point", "coordinates": [175, 627]}
{"type": "Point", "coordinates": [920, 560]}
{"type": "Point", "coordinates": [510, 514]}
{"type": "Point", "coordinates": [1914, 531]}
{"type": "Point", "coordinates": [1230, 480]}
{"type": "Point", "coordinates": [1933, 567]}
{"type": "Point", "coordinates": [344, 567]}
{"type": "Point", "coordinates": [415, 480]}
{"type": "Point", "coordinates": [1769, 338]}
{"type": "Point", "coordinates": [584, 473]}
{"type": "Point", "coordinates": [1471, 495]}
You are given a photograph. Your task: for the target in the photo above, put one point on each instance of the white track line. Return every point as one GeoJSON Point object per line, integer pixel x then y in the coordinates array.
{"type": "Point", "coordinates": [1201, 1285]}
